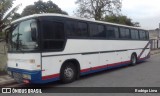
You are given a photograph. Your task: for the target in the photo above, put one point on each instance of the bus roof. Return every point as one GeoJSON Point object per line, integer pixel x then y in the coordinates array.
{"type": "Point", "coordinates": [66, 16]}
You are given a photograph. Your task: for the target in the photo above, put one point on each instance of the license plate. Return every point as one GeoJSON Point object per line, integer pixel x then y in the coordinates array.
{"type": "Point", "coordinates": [18, 77]}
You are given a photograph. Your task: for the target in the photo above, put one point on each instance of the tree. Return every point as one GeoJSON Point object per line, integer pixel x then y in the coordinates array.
{"type": "Point", "coordinates": [97, 9]}
{"type": "Point", "coordinates": [5, 5]}
{"type": "Point", "coordinates": [121, 19]}
{"type": "Point", "coordinates": [42, 7]}
{"type": "Point", "coordinates": [5, 14]}
{"type": "Point", "coordinates": [16, 16]}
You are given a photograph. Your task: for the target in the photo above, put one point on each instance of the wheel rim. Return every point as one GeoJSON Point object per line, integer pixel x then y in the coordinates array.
{"type": "Point", "coordinates": [133, 59]}
{"type": "Point", "coordinates": [68, 73]}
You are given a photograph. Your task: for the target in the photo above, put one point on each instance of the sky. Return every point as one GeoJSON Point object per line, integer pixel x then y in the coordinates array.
{"type": "Point", "coordinates": [146, 12]}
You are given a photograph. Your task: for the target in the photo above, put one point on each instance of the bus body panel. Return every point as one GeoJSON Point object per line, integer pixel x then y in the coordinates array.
{"type": "Point", "coordinates": [93, 56]}
{"type": "Point", "coordinates": [26, 61]}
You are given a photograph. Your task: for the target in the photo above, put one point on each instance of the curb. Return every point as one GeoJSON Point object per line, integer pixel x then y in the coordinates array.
{"type": "Point", "coordinates": [154, 52]}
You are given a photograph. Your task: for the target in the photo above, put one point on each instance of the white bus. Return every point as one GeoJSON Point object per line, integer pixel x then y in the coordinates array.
{"type": "Point", "coordinates": [49, 47]}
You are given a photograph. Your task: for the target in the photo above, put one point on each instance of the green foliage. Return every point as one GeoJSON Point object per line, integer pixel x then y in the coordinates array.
{"type": "Point", "coordinates": [5, 19]}
{"type": "Point", "coordinates": [42, 7]}
{"type": "Point", "coordinates": [98, 9]}
{"type": "Point", "coordinates": [5, 5]}
{"type": "Point", "coordinates": [120, 19]}
{"type": "Point", "coordinates": [16, 16]}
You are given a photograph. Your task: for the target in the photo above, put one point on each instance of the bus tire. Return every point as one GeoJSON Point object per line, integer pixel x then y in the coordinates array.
{"type": "Point", "coordinates": [133, 59]}
{"type": "Point", "coordinates": [68, 72]}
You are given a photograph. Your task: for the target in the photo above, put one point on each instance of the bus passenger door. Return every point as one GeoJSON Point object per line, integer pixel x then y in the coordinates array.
{"type": "Point", "coordinates": [53, 43]}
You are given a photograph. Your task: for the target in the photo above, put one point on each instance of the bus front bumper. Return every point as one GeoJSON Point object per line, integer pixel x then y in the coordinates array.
{"type": "Point", "coordinates": [26, 76]}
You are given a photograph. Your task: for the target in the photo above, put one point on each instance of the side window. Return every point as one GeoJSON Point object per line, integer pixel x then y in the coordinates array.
{"type": "Point", "coordinates": [125, 33]}
{"type": "Point", "coordinates": [112, 32]}
{"type": "Point", "coordinates": [76, 29]}
{"type": "Point", "coordinates": [82, 29]}
{"type": "Point", "coordinates": [97, 31]}
{"type": "Point", "coordinates": [101, 31]}
{"type": "Point", "coordinates": [142, 35]}
{"type": "Point", "coordinates": [53, 35]}
{"type": "Point", "coordinates": [137, 34]}
{"type": "Point", "coordinates": [71, 28]}
{"type": "Point", "coordinates": [147, 35]}
{"type": "Point", "coordinates": [134, 34]}
{"type": "Point", "coordinates": [93, 30]}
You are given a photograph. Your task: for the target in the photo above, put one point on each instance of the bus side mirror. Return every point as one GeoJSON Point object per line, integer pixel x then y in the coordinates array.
{"type": "Point", "coordinates": [33, 31]}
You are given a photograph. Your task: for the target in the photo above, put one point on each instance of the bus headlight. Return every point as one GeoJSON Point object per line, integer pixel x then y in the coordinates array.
{"type": "Point", "coordinates": [26, 76]}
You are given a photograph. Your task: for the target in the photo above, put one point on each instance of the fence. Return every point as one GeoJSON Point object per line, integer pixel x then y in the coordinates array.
{"type": "Point", "coordinates": [155, 44]}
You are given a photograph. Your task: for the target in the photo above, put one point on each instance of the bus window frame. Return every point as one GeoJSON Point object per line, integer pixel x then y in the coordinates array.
{"type": "Point", "coordinates": [53, 19]}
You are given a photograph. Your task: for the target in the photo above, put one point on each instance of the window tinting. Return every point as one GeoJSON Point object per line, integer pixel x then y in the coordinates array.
{"type": "Point", "coordinates": [76, 29]}
{"type": "Point", "coordinates": [134, 34]}
{"type": "Point", "coordinates": [142, 35]}
{"type": "Point", "coordinates": [53, 35]}
{"type": "Point", "coordinates": [53, 30]}
{"type": "Point", "coordinates": [147, 35]}
{"type": "Point", "coordinates": [112, 32]}
{"type": "Point", "coordinates": [125, 33]}
{"type": "Point", "coordinates": [82, 30]}
{"type": "Point", "coordinates": [101, 31]}
{"type": "Point", "coordinates": [97, 31]}
{"type": "Point", "coordinates": [93, 30]}
{"type": "Point", "coordinates": [71, 28]}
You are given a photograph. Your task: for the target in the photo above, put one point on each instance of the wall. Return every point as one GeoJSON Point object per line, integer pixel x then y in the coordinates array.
{"type": "Point", "coordinates": [3, 55]}
{"type": "Point", "coordinates": [155, 44]}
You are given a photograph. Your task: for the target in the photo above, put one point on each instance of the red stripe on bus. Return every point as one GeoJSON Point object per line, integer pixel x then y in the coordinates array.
{"type": "Point", "coordinates": [116, 64]}
{"type": "Point", "coordinates": [99, 67]}
{"type": "Point", "coordinates": [104, 66]}
{"type": "Point", "coordinates": [50, 76]}
{"type": "Point", "coordinates": [89, 69]}
{"type": "Point", "coordinates": [86, 70]}
{"type": "Point", "coordinates": [110, 65]}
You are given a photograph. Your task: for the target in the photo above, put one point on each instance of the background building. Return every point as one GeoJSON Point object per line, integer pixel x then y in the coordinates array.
{"type": "Point", "coordinates": [154, 36]}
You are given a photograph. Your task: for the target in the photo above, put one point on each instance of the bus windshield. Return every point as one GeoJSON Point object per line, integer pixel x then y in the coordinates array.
{"type": "Point", "coordinates": [23, 36]}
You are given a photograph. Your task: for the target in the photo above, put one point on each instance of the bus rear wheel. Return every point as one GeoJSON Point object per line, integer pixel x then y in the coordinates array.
{"type": "Point", "coordinates": [68, 73]}
{"type": "Point", "coordinates": [133, 59]}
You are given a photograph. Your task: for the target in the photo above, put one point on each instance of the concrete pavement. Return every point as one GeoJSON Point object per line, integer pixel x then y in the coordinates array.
{"type": "Point", "coordinates": [5, 79]}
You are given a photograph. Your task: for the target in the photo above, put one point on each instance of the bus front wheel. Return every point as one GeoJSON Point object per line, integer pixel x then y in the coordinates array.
{"type": "Point", "coordinates": [68, 73]}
